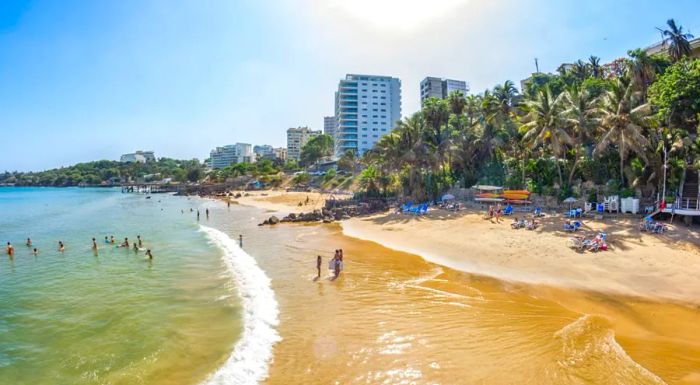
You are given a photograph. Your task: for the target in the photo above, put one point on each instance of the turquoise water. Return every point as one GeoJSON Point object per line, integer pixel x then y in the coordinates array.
{"type": "Point", "coordinates": [113, 317]}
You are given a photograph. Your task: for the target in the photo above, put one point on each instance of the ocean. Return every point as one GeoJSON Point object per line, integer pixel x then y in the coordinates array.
{"type": "Point", "coordinates": [115, 317]}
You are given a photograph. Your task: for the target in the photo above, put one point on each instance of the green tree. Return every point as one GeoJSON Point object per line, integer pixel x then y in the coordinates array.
{"type": "Point", "coordinates": [623, 117]}
{"type": "Point", "coordinates": [676, 94]}
{"type": "Point", "coordinates": [677, 41]}
{"type": "Point", "coordinates": [316, 148]}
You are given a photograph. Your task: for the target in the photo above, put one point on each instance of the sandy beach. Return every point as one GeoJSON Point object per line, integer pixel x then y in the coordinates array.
{"type": "Point", "coordinates": [637, 263]}
{"type": "Point", "coordinates": [285, 202]}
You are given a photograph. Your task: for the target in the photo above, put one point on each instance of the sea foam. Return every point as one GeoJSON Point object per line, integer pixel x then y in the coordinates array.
{"type": "Point", "coordinates": [249, 361]}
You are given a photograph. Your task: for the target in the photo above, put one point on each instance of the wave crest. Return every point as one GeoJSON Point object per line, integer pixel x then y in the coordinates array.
{"type": "Point", "coordinates": [249, 361]}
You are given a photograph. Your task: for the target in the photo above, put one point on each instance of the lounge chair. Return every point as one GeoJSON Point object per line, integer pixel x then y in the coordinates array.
{"type": "Point", "coordinates": [508, 210]}
{"type": "Point", "coordinates": [572, 226]}
{"type": "Point", "coordinates": [538, 212]}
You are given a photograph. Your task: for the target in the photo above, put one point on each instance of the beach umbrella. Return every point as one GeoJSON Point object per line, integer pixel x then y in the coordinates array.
{"type": "Point", "coordinates": [570, 200]}
{"type": "Point", "coordinates": [448, 197]}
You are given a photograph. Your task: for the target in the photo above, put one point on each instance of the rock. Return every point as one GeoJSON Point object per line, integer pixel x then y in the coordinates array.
{"type": "Point", "coordinates": [273, 220]}
{"type": "Point", "coordinates": [292, 216]}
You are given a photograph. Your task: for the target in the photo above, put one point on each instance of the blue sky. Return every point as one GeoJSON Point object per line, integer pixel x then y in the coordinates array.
{"type": "Point", "coordinates": [87, 80]}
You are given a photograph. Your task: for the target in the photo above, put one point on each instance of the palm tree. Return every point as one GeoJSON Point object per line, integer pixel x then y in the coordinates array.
{"type": "Point", "coordinates": [505, 94]}
{"type": "Point", "coordinates": [580, 70]}
{"type": "Point", "coordinates": [580, 113]}
{"type": "Point", "coordinates": [544, 126]}
{"type": "Point", "coordinates": [594, 65]}
{"type": "Point", "coordinates": [623, 118]}
{"type": "Point", "coordinates": [641, 69]}
{"type": "Point", "coordinates": [677, 40]}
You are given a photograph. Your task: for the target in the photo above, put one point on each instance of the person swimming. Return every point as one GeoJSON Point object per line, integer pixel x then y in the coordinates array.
{"type": "Point", "coordinates": [148, 254]}
{"type": "Point", "coordinates": [111, 239]}
{"type": "Point", "coordinates": [94, 244]}
{"type": "Point", "coordinates": [138, 240]}
{"type": "Point", "coordinates": [10, 249]}
{"type": "Point", "coordinates": [136, 248]}
{"type": "Point", "coordinates": [125, 243]}
{"type": "Point", "coordinates": [106, 239]}
{"type": "Point", "coordinates": [61, 246]}
{"type": "Point", "coordinates": [35, 251]}
{"type": "Point", "coordinates": [29, 242]}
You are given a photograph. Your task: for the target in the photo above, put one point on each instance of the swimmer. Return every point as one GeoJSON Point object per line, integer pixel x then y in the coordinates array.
{"type": "Point", "coordinates": [29, 242]}
{"type": "Point", "coordinates": [106, 239]}
{"type": "Point", "coordinates": [138, 240]}
{"type": "Point", "coordinates": [207, 213]}
{"type": "Point", "coordinates": [111, 239]}
{"type": "Point", "coordinates": [61, 246]}
{"type": "Point", "coordinates": [197, 214]}
{"type": "Point", "coordinates": [125, 243]}
{"type": "Point", "coordinates": [148, 254]}
{"type": "Point", "coordinates": [35, 251]}
{"type": "Point", "coordinates": [136, 248]}
{"type": "Point", "coordinates": [94, 244]}
{"type": "Point", "coordinates": [10, 249]}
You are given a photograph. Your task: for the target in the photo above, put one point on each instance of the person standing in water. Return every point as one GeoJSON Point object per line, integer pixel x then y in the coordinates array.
{"type": "Point", "coordinates": [61, 246]}
{"type": "Point", "coordinates": [111, 239]}
{"type": "Point", "coordinates": [35, 251]}
{"type": "Point", "coordinates": [106, 240]}
{"type": "Point", "coordinates": [138, 240]}
{"type": "Point", "coordinates": [125, 243]}
{"type": "Point", "coordinates": [148, 254]}
{"type": "Point", "coordinates": [136, 248]}
{"type": "Point", "coordinates": [318, 266]}
{"type": "Point", "coordinates": [207, 212]}
{"type": "Point", "coordinates": [94, 244]}
{"type": "Point", "coordinates": [29, 242]}
{"type": "Point", "coordinates": [197, 214]}
{"type": "Point", "coordinates": [10, 249]}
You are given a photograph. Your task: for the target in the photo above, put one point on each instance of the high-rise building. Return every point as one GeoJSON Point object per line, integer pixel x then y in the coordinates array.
{"type": "Point", "coordinates": [296, 139]}
{"type": "Point", "coordinates": [432, 87]}
{"type": "Point", "coordinates": [221, 157]}
{"type": "Point", "coordinates": [264, 151]}
{"type": "Point", "coordinates": [138, 157]}
{"type": "Point", "coordinates": [366, 107]}
{"type": "Point", "coordinates": [329, 124]}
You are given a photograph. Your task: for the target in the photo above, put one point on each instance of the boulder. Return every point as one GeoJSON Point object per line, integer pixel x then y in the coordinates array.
{"type": "Point", "coordinates": [273, 220]}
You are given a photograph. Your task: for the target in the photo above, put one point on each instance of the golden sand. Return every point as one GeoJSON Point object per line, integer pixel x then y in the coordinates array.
{"type": "Point", "coordinates": [554, 316]}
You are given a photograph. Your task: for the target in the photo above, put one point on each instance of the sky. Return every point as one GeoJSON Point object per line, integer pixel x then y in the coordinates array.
{"type": "Point", "coordinates": [89, 80]}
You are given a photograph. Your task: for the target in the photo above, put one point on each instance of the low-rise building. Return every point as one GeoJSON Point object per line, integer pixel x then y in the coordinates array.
{"type": "Point", "coordinates": [221, 157]}
{"type": "Point", "coordinates": [281, 153]}
{"type": "Point", "coordinates": [264, 151]}
{"type": "Point", "coordinates": [138, 157]}
{"type": "Point", "coordinates": [296, 139]}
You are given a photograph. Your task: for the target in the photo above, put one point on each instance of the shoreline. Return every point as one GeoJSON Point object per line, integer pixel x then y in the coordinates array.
{"type": "Point", "coordinates": [637, 264]}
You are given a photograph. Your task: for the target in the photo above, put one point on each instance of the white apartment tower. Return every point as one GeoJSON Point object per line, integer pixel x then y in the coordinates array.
{"type": "Point", "coordinates": [366, 108]}
{"type": "Point", "coordinates": [432, 87]}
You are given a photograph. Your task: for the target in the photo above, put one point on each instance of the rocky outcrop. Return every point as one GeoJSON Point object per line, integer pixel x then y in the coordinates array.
{"type": "Point", "coordinates": [329, 215]}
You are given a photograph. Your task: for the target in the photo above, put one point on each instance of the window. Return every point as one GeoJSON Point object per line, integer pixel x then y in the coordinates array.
{"type": "Point", "coordinates": [383, 116]}
{"type": "Point", "coordinates": [373, 97]}
{"type": "Point", "coordinates": [383, 110]}
{"type": "Point", "coordinates": [374, 116]}
{"type": "Point", "coordinates": [364, 128]}
{"type": "Point", "coordinates": [383, 104]}
{"type": "Point", "coordinates": [374, 109]}
{"type": "Point", "coordinates": [374, 90]}
{"type": "Point", "coordinates": [364, 116]}
{"type": "Point", "coordinates": [375, 136]}
{"type": "Point", "coordinates": [383, 91]}
{"type": "Point", "coordinates": [364, 90]}
{"type": "Point", "coordinates": [383, 97]}
{"type": "Point", "coordinates": [364, 135]}
{"type": "Point", "coordinates": [364, 96]}
{"type": "Point", "coordinates": [364, 142]}
{"type": "Point", "coordinates": [374, 104]}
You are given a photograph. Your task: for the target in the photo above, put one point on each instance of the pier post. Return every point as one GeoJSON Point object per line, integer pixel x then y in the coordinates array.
{"type": "Point", "coordinates": [240, 240]}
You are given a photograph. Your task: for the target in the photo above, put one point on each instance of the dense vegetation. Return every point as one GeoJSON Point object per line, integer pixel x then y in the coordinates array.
{"type": "Point", "coordinates": [587, 125]}
{"type": "Point", "coordinates": [106, 171]}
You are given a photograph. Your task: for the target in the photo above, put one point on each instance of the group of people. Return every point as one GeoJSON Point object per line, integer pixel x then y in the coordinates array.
{"type": "Point", "coordinates": [108, 240]}
{"type": "Point", "coordinates": [496, 211]}
{"type": "Point", "coordinates": [335, 264]}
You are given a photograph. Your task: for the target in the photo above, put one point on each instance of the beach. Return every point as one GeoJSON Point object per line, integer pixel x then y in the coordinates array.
{"type": "Point", "coordinates": [419, 303]}
{"type": "Point", "coordinates": [662, 266]}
